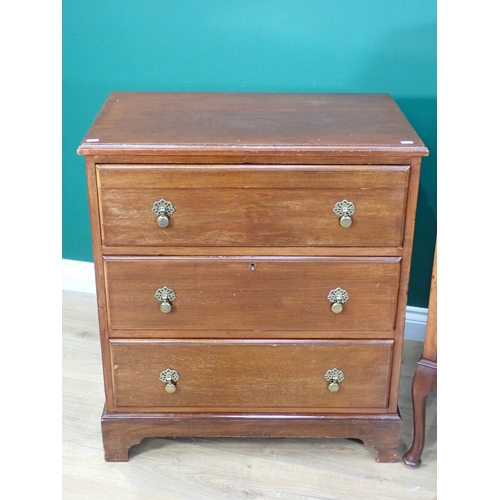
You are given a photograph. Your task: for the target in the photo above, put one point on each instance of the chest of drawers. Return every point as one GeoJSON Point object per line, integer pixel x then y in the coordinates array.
{"type": "Point", "coordinates": [252, 256]}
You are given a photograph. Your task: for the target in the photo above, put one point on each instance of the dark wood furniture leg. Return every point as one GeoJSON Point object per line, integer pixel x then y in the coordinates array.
{"type": "Point", "coordinates": [424, 382]}
{"type": "Point", "coordinates": [425, 378]}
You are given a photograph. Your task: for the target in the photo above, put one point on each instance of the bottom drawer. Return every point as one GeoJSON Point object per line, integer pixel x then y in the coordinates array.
{"type": "Point", "coordinates": [244, 375]}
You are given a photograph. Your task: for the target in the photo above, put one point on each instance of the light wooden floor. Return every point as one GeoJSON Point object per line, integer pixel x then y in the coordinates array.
{"type": "Point", "coordinates": [206, 469]}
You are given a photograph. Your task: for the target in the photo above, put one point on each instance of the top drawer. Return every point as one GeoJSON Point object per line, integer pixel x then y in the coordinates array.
{"type": "Point", "coordinates": [252, 205]}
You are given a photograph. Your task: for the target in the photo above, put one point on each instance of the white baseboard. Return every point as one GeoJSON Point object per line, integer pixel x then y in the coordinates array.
{"type": "Point", "coordinates": [79, 276]}
{"type": "Point", "coordinates": [416, 321]}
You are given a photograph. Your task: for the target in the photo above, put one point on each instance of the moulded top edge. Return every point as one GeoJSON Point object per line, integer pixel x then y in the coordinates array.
{"type": "Point", "coordinates": [204, 149]}
{"type": "Point", "coordinates": [240, 123]}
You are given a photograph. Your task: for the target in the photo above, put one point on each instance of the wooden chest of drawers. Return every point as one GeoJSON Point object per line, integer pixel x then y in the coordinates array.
{"type": "Point", "coordinates": [252, 255]}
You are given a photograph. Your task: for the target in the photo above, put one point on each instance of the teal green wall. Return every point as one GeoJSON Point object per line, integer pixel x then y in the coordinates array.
{"type": "Point", "coordinates": [386, 46]}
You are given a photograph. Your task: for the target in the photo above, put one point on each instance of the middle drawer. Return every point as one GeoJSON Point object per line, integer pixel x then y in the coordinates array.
{"type": "Point", "coordinates": [183, 295]}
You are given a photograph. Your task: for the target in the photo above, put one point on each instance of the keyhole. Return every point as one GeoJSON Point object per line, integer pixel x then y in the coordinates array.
{"type": "Point", "coordinates": [252, 267]}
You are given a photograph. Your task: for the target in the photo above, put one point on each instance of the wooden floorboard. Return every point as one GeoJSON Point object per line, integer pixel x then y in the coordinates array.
{"type": "Point", "coordinates": [206, 469]}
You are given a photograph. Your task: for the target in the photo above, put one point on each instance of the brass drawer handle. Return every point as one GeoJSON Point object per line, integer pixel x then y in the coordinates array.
{"type": "Point", "coordinates": [169, 377]}
{"type": "Point", "coordinates": [165, 296]}
{"type": "Point", "coordinates": [344, 209]}
{"type": "Point", "coordinates": [334, 377]}
{"type": "Point", "coordinates": [163, 209]}
{"type": "Point", "coordinates": [338, 297]}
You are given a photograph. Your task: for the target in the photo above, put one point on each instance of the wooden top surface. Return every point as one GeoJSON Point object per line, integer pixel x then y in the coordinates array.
{"type": "Point", "coordinates": [185, 123]}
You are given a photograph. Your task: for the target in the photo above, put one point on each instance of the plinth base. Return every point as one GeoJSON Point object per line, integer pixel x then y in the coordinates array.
{"type": "Point", "coordinates": [121, 431]}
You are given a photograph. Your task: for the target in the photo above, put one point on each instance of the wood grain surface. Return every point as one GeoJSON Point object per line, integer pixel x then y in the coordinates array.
{"type": "Point", "coordinates": [430, 343]}
{"type": "Point", "coordinates": [242, 122]}
{"type": "Point", "coordinates": [253, 206]}
{"type": "Point", "coordinates": [249, 375]}
{"type": "Point", "coordinates": [411, 207]}
{"type": "Point", "coordinates": [121, 431]}
{"type": "Point", "coordinates": [222, 468]}
{"type": "Point", "coordinates": [215, 293]}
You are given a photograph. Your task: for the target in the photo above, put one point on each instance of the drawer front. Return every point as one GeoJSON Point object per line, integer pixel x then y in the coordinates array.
{"type": "Point", "coordinates": [231, 207]}
{"type": "Point", "coordinates": [218, 375]}
{"type": "Point", "coordinates": [251, 293]}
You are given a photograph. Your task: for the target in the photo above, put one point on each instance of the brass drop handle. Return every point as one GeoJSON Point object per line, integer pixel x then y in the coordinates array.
{"type": "Point", "coordinates": [165, 296]}
{"type": "Point", "coordinates": [334, 376]}
{"type": "Point", "coordinates": [163, 209]}
{"type": "Point", "coordinates": [338, 297]}
{"type": "Point", "coordinates": [169, 377]}
{"type": "Point", "coordinates": [344, 209]}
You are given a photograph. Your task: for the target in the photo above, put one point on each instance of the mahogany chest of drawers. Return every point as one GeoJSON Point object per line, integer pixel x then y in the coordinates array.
{"type": "Point", "coordinates": [252, 255]}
